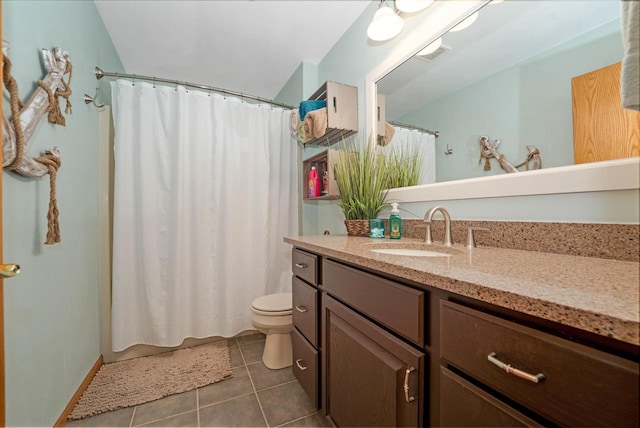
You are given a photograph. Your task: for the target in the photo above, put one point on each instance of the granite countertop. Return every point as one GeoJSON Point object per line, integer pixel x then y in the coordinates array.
{"type": "Point", "coordinates": [596, 295]}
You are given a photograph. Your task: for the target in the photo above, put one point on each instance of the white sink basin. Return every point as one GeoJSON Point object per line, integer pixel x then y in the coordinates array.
{"type": "Point", "coordinates": [409, 252]}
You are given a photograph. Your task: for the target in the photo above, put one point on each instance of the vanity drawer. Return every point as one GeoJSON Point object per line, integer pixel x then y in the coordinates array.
{"type": "Point", "coordinates": [305, 265]}
{"type": "Point", "coordinates": [463, 404]}
{"type": "Point", "coordinates": [398, 307]}
{"type": "Point", "coordinates": [305, 313]}
{"type": "Point", "coordinates": [305, 365]}
{"type": "Point", "coordinates": [581, 385]}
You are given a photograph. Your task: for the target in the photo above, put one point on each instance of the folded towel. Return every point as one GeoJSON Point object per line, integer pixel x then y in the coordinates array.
{"type": "Point", "coordinates": [294, 122]}
{"type": "Point", "coordinates": [303, 137]}
{"type": "Point", "coordinates": [630, 78]}
{"type": "Point", "coordinates": [389, 132]}
{"type": "Point", "coordinates": [307, 106]}
{"type": "Point", "coordinates": [315, 123]}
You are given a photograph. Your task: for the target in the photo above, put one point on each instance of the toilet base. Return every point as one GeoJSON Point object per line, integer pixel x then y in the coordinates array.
{"type": "Point", "coordinates": [278, 353]}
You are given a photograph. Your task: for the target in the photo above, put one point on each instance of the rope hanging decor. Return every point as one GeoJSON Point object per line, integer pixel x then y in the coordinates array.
{"type": "Point", "coordinates": [26, 116]}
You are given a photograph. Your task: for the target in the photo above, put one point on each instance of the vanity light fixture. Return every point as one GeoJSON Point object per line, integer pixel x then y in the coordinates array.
{"type": "Point", "coordinates": [386, 23]}
{"type": "Point", "coordinates": [466, 23]}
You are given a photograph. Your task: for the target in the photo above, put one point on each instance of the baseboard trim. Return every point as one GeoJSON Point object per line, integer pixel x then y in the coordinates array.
{"type": "Point", "coordinates": [62, 420]}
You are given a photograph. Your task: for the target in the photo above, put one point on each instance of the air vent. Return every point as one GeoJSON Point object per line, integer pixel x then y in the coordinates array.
{"type": "Point", "coordinates": [433, 55]}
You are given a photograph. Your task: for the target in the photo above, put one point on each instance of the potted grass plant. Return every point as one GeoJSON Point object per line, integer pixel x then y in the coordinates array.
{"type": "Point", "coordinates": [364, 173]}
{"type": "Point", "coordinates": [362, 176]}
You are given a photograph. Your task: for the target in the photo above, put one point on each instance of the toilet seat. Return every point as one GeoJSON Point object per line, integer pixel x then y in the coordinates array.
{"type": "Point", "coordinates": [273, 305]}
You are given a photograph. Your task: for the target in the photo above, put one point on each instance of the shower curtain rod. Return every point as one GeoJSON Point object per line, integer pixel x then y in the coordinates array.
{"type": "Point", "coordinates": [100, 74]}
{"type": "Point", "coordinates": [417, 128]}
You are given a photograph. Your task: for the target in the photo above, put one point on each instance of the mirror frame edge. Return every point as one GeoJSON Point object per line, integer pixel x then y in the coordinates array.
{"type": "Point", "coordinates": [619, 174]}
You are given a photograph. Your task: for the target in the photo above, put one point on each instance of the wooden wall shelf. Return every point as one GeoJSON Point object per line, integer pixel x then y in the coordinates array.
{"type": "Point", "coordinates": [323, 161]}
{"type": "Point", "coordinates": [342, 112]}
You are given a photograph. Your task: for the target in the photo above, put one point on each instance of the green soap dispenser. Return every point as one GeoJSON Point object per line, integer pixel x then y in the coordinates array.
{"type": "Point", "coordinates": [395, 222]}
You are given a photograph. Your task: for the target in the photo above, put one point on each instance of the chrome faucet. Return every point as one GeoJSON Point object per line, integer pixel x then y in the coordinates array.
{"type": "Point", "coordinates": [447, 226]}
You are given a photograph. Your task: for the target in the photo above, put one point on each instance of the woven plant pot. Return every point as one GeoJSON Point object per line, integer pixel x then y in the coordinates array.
{"type": "Point", "coordinates": [357, 227]}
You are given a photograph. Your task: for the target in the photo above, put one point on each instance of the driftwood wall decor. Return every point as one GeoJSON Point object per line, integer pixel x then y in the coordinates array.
{"type": "Point", "coordinates": [20, 127]}
{"type": "Point", "coordinates": [490, 150]}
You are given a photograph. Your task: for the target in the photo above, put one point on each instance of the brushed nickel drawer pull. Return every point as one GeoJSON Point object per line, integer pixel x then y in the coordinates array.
{"type": "Point", "coordinates": [301, 265]}
{"type": "Point", "coordinates": [301, 308]}
{"type": "Point", "coordinates": [406, 385]}
{"type": "Point", "coordinates": [507, 368]}
{"type": "Point", "coordinates": [300, 366]}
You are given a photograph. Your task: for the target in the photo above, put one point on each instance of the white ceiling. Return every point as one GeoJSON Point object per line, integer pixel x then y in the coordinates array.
{"type": "Point", "coordinates": [251, 47]}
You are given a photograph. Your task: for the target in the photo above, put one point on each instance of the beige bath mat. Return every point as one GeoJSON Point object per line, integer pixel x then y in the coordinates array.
{"type": "Point", "coordinates": [140, 380]}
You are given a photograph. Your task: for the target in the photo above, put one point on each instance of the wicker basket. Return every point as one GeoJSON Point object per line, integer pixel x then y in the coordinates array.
{"type": "Point", "coordinates": [357, 227]}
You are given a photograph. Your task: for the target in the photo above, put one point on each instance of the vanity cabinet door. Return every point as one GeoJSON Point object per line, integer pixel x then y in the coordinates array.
{"type": "Point", "coordinates": [371, 378]}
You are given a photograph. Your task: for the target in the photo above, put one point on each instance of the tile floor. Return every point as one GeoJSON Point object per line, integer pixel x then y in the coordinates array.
{"type": "Point", "coordinates": [254, 397]}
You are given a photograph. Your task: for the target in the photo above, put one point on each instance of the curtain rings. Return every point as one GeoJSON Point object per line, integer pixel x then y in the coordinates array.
{"type": "Point", "coordinates": [154, 82]}
{"type": "Point", "coordinates": [133, 80]}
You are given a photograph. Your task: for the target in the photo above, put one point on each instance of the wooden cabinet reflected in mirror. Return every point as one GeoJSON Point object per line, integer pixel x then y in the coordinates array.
{"type": "Point", "coordinates": [602, 129]}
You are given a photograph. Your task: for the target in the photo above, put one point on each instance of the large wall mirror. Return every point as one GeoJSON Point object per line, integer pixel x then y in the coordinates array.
{"type": "Point", "coordinates": [507, 76]}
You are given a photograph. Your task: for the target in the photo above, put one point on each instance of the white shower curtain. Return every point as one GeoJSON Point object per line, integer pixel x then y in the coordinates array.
{"type": "Point", "coordinates": [205, 190]}
{"type": "Point", "coordinates": [405, 138]}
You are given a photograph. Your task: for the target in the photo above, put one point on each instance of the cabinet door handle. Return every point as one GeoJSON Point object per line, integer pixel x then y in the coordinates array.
{"type": "Point", "coordinates": [300, 366]}
{"type": "Point", "coordinates": [407, 373]}
{"type": "Point", "coordinates": [301, 265]}
{"type": "Point", "coordinates": [301, 308]}
{"type": "Point", "coordinates": [511, 370]}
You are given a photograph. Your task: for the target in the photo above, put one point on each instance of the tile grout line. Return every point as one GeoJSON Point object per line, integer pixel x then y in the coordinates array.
{"type": "Point", "coordinates": [146, 424]}
{"type": "Point", "coordinates": [198, 407]}
{"type": "Point", "coordinates": [227, 400]}
{"type": "Point", "coordinates": [133, 415]}
{"type": "Point", "coordinates": [298, 419]}
{"type": "Point", "coordinates": [246, 366]}
{"type": "Point", "coordinates": [278, 385]}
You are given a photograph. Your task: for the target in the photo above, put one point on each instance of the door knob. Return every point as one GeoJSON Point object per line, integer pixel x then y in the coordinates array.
{"type": "Point", "coordinates": [7, 271]}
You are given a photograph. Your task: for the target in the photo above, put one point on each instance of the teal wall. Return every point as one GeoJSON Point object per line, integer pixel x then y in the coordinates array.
{"type": "Point", "coordinates": [527, 104]}
{"type": "Point", "coordinates": [300, 86]}
{"type": "Point", "coordinates": [52, 336]}
{"type": "Point", "coordinates": [349, 62]}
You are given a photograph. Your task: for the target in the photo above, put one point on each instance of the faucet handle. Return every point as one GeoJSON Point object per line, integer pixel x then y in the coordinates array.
{"type": "Point", "coordinates": [471, 242]}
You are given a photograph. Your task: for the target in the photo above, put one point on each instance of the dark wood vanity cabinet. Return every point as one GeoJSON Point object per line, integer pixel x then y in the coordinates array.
{"type": "Point", "coordinates": [371, 375]}
{"type": "Point", "coordinates": [393, 353]}
{"type": "Point", "coordinates": [371, 378]}
{"type": "Point", "coordinates": [305, 312]}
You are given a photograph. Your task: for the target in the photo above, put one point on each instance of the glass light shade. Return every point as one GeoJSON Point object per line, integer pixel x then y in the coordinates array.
{"type": "Point", "coordinates": [410, 6]}
{"type": "Point", "coordinates": [385, 25]}
{"type": "Point", "coordinates": [431, 48]}
{"type": "Point", "coordinates": [466, 23]}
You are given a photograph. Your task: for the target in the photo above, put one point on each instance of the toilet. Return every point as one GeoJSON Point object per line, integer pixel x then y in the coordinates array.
{"type": "Point", "coordinates": [271, 315]}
